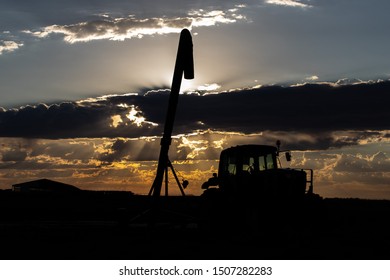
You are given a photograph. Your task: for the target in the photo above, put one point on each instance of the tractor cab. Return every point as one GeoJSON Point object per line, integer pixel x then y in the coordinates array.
{"type": "Point", "coordinates": [254, 170]}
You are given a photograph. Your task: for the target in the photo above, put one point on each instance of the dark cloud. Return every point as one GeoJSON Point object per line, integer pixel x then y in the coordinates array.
{"type": "Point", "coordinates": [67, 149]}
{"type": "Point", "coordinates": [357, 164]}
{"type": "Point", "coordinates": [316, 109]}
{"type": "Point", "coordinates": [15, 155]}
{"type": "Point", "coordinates": [132, 150]}
{"type": "Point", "coordinates": [307, 108]}
{"type": "Point", "coordinates": [67, 120]}
{"type": "Point", "coordinates": [311, 108]}
{"type": "Point", "coordinates": [117, 151]}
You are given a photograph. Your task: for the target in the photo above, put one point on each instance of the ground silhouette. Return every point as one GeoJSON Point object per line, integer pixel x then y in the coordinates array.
{"type": "Point", "coordinates": [98, 225]}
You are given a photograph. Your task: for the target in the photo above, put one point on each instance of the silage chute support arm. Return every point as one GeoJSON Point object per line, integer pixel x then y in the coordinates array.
{"type": "Point", "coordinates": [184, 64]}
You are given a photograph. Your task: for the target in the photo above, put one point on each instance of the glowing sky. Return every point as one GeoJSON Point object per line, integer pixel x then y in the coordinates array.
{"type": "Point", "coordinates": [84, 87]}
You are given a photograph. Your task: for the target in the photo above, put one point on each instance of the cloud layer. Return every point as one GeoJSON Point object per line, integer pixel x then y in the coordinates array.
{"type": "Point", "coordinates": [314, 109]}
{"type": "Point", "coordinates": [112, 142]}
{"type": "Point", "coordinates": [129, 164]}
{"type": "Point", "coordinates": [119, 29]}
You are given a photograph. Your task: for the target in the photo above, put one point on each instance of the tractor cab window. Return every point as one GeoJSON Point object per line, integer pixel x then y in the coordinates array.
{"type": "Point", "coordinates": [248, 164]}
{"type": "Point", "coordinates": [255, 164]}
{"type": "Point", "coordinates": [266, 162]}
{"type": "Point", "coordinates": [262, 165]}
{"type": "Point", "coordinates": [270, 161]}
{"type": "Point", "coordinates": [231, 165]}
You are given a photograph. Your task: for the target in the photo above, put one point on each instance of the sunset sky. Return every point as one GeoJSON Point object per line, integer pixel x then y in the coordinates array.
{"type": "Point", "coordinates": [84, 87]}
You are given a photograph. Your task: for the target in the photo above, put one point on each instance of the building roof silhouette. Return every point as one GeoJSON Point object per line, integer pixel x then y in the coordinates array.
{"type": "Point", "coordinates": [44, 185]}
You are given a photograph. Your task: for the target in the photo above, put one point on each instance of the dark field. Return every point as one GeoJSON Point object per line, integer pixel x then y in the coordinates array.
{"type": "Point", "coordinates": [118, 225]}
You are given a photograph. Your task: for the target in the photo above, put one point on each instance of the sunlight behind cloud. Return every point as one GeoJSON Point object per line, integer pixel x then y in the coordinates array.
{"type": "Point", "coordinates": [196, 147]}
{"type": "Point", "coordinates": [135, 117]}
{"type": "Point", "coordinates": [289, 3]}
{"type": "Point", "coordinates": [312, 78]}
{"type": "Point", "coordinates": [187, 86]}
{"type": "Point", "coordinates": [202, 18]}
{"type": "Point", "coordinates": [209, 87]}
{"type": "Point", "coordinates": [116, 120]}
